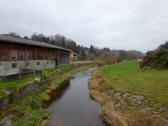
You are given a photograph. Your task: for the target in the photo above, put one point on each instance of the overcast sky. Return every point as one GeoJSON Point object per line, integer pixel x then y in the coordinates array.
{"type": "Point", "coordinates": [117, 24]}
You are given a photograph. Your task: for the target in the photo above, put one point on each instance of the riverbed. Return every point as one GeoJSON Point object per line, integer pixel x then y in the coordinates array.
{"type": "Point", "coordinates": [75, 107]}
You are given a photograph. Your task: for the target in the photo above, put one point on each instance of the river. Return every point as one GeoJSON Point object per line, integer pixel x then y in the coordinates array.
{"type": "Point", "coordinates": [75, 107]}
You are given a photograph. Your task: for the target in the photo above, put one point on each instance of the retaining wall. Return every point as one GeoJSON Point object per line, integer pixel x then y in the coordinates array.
{"type": "Point", "coordinates": [13, 94]}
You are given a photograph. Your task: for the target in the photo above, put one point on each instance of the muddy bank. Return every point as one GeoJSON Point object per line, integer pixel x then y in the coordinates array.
{"type": "Point", "coordinates": [113, 112]}
{"type": "Point", "coordinates": [56, 93]}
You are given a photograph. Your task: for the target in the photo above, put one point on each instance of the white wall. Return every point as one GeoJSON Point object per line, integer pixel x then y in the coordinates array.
{"type": "Point", "coordinates": [6, 66]}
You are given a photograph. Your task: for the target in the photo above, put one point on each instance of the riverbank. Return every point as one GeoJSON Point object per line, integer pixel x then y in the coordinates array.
{"type": "Point", "coordinates": [127, 95]}
{"type": "Point", "coordinates": [30, 110]}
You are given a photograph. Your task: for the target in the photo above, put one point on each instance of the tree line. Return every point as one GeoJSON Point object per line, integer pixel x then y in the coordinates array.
{"type": "Point", "coordinates": [83, 53]}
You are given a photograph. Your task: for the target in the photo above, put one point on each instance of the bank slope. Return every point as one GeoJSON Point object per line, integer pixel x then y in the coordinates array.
{"type": "Point", "coordinates": [131, 96]}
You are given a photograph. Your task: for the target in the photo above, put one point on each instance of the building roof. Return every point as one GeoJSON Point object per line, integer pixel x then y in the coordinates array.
{"type": "Point", "coordinates": [10, 39]}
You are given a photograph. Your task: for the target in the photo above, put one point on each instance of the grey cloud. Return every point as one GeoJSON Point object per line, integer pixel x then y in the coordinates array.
{"type": "Point", "coordinates": [117, 24]}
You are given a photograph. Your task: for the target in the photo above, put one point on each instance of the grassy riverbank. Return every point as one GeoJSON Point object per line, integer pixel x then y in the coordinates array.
{"type": "Point", "coordinates": [4, 84]}
{"type": "Point", "coordinates": [2, 94]}
{"type": "Point", "coordinates": [30, 110]}
{"type": "Point", "coordinates": [131, 96]}
{"type": "Point", "coordinates": [127, 76]}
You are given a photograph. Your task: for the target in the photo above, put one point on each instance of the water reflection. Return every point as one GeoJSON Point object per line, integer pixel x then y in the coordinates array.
{"type": "Point", "coordinates": [75, 107]}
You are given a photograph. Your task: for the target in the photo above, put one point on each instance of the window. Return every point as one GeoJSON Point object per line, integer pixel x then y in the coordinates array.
{"type": "Point", "coordinates": [27, 64]}
{"type": "Point", "coordinates": [14, 65]}
{"type": "Point", "coordinates": [38, 63]}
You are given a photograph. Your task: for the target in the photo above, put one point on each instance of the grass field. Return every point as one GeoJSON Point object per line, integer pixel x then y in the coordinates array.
{"type": "Point", "coordinates": [127, 76]}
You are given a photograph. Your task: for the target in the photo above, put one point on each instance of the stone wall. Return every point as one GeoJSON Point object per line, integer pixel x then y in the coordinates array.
{"type": "Point", "coordinates": [15, 67]}
{"type": "Point", "coordinates": [16, 93]}
{"type": "Point", "coordinates": [5, 101]}
{"type": "Point", "coordinates": [8, 68]}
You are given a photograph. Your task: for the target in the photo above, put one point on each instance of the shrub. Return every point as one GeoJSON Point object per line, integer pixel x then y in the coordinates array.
{"type": "Point", "coordinates": [108, 58]}
{"type": "Point", "coordinates": [157, 58]}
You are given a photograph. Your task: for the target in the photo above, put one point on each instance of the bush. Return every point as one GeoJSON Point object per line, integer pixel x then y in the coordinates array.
{"type": "Point", "coordinates": [91, 56]}
{"type": "Point", "coordinates": [157, 58]}
{"type": "Point", "coordinates": [108, 58]}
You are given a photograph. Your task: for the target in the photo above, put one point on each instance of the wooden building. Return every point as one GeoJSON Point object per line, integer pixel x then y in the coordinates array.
{"type": "Point", "coordinates": [17, 55]}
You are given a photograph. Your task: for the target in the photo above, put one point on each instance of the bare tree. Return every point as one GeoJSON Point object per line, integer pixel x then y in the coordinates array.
{"type": "Point", "coordinates": [108, 58]}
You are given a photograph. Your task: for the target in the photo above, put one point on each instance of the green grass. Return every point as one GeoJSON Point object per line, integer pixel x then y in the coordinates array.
{"type": "Point", "coordinates": [31, 106]}
{"type": "Point", "coordinates": [29, 110]}
{"type": "Point", "coordinates": [15, 83]}
{"type": "Point", "coordinates": [127, 76]}
{"type": "Point", "coordinates": [32, 103]}
{"type": "Point", "coordinates": [20, 82]}
{"type": "Point", "coordinates": [2, 94]}
{"type": "Point", "coordinates": [49, 71]}
{"type": "Point", "coordinates": [34, 120]}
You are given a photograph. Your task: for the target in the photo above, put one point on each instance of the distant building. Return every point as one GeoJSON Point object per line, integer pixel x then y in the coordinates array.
{"type": "Point", "coordinates": [18, 55]}
{"type": "Point", "coordinates": [73, 56]}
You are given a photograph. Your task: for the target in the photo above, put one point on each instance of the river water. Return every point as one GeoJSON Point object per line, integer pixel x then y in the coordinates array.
{"type": "Point", "coordinates": [75, 107]}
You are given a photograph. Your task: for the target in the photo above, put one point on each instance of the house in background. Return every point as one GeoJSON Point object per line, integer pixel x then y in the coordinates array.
{"type": "Point", "coordinates": [73, 56]}
{"type": "Point", "coordinates": [18, 55]}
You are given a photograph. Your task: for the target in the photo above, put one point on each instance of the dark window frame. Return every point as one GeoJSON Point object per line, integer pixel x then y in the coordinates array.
{"type": "Point", "coordinates": [27, 64]}
{"type": "Point", "coordinates": [38, 63]}
{"type": "Point", "coordinates": [14, 65]}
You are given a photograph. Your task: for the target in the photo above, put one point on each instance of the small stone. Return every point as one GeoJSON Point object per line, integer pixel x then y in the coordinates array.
{"type": "Point", "coordinates": [138, 97]}
{"type": "Point", "coordinates": [157, 106]}
{"type": "Point", "coordinates": [139, 102]}
{"type": "Point", "coordinates": [45, 122]}
{"type": "Point", "coordinates": [125, 95]}
{"type": "Point", "coordinates": [143, 110]}
{"type": "Point", "coordinates": [156, 116]}
{"type": "Point", "coordinates": [131, 108]}
{"type": "Point", "coordinates": [146, 101]}
{"type": "Point", "coordinates": [152, 102]}
{"type": "Point", "coordinates": [132, 104]}
{"type": "Point", "coordinates": [154, 113]}
{"type": "Point", "coordinates": [166, 107]}
{"type": "Point", "coordinates": [118, 105]}
{"type": "Point", "coordinates": [113, 92]}
{"type": "Point", "coordinates": [118, 97]}
{"type": "Point", "coordinates": [162, 109]}
{"type": "Point", "coordinates": [134, 100]}
{"type": "Point", "coordinates": [30, 82]}
{"type": "Point", "coordinates": [6, 122]}
{"type": "Point", "coordinates": [122, 102]}
{"type": "Point", "coordinates": [118, 94]}
{"type": "Point", "coordinates": [165, 120]}
{"type": "Point", "coordinates": [147, 109]}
